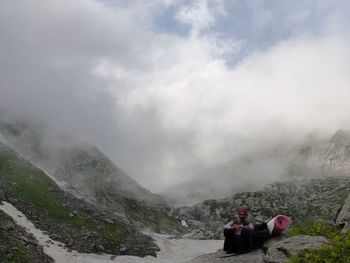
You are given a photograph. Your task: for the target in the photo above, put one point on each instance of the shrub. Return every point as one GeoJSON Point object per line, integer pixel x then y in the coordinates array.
{"type": "Point", "coordinates": [337, 251]}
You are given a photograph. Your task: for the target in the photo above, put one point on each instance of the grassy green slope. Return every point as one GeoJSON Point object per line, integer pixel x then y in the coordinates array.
{"type": "Point", "coordinates": [79, 225]}
{"type": "Point", "coordinates": [89, 172]}
{"type": "Point", "coordinates": [160, 219]}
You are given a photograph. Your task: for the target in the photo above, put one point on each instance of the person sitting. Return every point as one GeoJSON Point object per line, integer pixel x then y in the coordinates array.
{"type": "Point", "coordinates": [238, 233]}
{"type": "Point", "coordinates": [242, 236]}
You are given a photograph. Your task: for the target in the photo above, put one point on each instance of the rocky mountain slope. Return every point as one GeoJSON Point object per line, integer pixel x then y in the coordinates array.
{"type": "Point", "coordinates": [18, 246]}
{"type": "Point", "coordinates": [316, 241]}
{"type": "Point", "coordinates": [83, 171]}
{"type": "Point", "coordinates": [313, 157]}
{"type": "Point", "coordinates": [77, 166]}
{"type": "Point", "coordinates": [337, 154]}
{"type": "Point", "coordinates": [79, 225]}
{"type": "Point", "coordinates": [303, 200]}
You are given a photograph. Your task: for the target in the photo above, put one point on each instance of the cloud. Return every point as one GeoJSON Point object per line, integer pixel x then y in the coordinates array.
{"type": "Point", "coordinates": [164, 105]}
{"type": "Point", "coordinates": [200, 14]}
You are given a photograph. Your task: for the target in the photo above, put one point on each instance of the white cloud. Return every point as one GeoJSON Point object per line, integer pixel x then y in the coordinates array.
{"type": "Point", "coordinates": [163, 105]}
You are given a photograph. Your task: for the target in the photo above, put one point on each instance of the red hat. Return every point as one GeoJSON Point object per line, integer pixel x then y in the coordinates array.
{"type": "Point", "coordinates": [242, 209]}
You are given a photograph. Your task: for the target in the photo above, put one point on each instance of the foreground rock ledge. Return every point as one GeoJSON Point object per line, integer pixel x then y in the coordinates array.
{"type": "Point", "coordinates": [277, 251]}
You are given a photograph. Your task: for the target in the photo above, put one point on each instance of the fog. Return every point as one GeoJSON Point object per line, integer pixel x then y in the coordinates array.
{"type": "Point", "coordinates": [169, 88]}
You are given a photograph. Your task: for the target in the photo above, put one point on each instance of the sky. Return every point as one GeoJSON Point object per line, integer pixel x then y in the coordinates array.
{"type": "Point", "coordinates": [169, 87]}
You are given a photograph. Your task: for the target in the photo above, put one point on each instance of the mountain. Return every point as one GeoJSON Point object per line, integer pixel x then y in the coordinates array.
{"type": "Point", "coordinates": [337, 154]}
{"type": "Point", "coordinates": [310, 159]}
{"type": "Point", "coordinates": [76, 166]}
{"type": "Point", "coordinates": [76, 194]}
{"type": "Point", "coordinates": [77, 224]}
{"type": "Point", "coordinates": [85, 172]}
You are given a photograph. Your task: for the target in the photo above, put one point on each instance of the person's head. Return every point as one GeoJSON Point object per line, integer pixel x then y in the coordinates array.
{"type": "Point", "coordinates": [242, 213]}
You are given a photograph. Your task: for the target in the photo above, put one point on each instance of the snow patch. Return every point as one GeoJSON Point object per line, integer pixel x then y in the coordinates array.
{"type": "Point", "coordinates": [171, 250]}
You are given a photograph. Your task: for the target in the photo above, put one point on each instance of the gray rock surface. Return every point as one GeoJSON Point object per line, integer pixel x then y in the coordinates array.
{"type": "Point", "coordinates": [277, 249]}
{"type": "Point", "coordinates": [343, 218]}
{"type": "Point", "coordinates": [16, 245]}
{"type": "Point", "coordinates": [220, 256]}
{"type": "Point", "coordinates": [301, 200]}
{"type": "Point", "coordinates": [280, 251]}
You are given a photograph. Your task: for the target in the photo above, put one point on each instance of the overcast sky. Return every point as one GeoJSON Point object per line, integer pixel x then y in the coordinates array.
{"type": "Point", "coordinates": [169, 87]}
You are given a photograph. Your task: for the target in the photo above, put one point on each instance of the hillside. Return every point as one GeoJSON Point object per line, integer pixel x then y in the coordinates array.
{"type": "Point", "coordinates": [17, 246]}
{"type": "Point", "coordinates": [77, 224]}
{"type": "Point", "coordinates": [85, 172]}
{"type": "Point", "coordinates": [77, 166]}
{"type": "Point", "coordinates": [312, 158]}
{"type": "Point", "coordinates": [302, 200]}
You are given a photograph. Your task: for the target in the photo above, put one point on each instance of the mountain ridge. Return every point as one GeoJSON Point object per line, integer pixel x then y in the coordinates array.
{"type": "Point", "coordinates": [311, 158]}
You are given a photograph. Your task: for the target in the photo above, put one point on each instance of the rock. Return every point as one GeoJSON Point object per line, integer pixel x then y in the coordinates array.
{"type": "Point", "coordinates": [108, 220]}
{"type": "Point", "coordinates": [123, 249]}
{"type": "Point", "coordinates": [274, 240]}
{"type": "Point", "coordinates": [72, 214]}
{"type": "Point", "coordinates": [195, 224]}
{"type": "Point", "coordinates": [278, 252]}
{"type": "Point", "coordinates": [2, 193]}
{"type": "Point", "coordinates": [343, 218]}
{"type": "Point", "coordinates": [201, 234]}
{"type": "Point", "coordinates": [220, 256]}
{"type": "Point", "coordinates": [25, 240]}
{"type": "Point", "coordinates": [100, 247]}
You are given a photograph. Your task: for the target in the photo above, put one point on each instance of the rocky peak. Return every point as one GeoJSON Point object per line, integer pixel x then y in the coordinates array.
{"type": "Point", "coordinates": [341, 137]}
{"type": "Point", "coordinates": [338, 152]}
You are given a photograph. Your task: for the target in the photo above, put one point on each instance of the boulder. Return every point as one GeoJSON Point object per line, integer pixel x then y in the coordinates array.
{"type": "Point", "coordinates": [220, 256]}
{"type": "Point", "coordinates": [343, 218]}
{"type": "Point", "coordinates": [278, 252]}
{"type": "Point", "coordinates": [274, 240]}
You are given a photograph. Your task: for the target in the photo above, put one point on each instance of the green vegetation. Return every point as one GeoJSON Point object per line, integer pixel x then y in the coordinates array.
{"type": "Point", "coordinates": [337, 251]}
{"type": "Point", "coordinates": [152, 217]}
{"type": "Point", "coordinates": [15, 247]}
{"type": "Point", "coordinates": [12, 250]}
{"type": "Point", "coordinates": [315, 228]}
{"type": "Point", "coordinates": [158, 218]}
{"type": "Point", "coordinates": [37, 196]}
